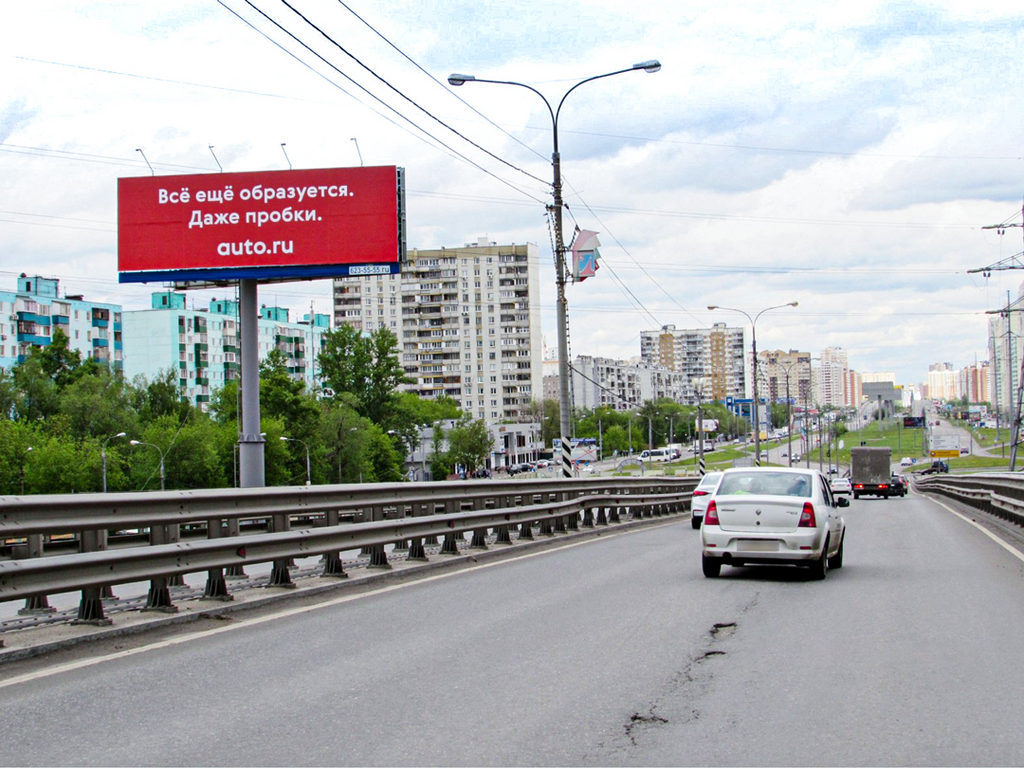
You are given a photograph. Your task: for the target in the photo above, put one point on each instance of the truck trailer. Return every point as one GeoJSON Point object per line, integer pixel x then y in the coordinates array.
{"type": "Point", "coordinates": [871, 471]}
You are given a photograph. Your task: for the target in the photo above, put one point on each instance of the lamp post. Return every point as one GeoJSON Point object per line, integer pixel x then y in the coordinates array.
{"type": "Point", "coordinates": [753, 338]}
{"type": "Point", "coordinates": [297, 440]}
{"type": "Point", "coordinates": [22, 473]}
{"type": "Point", "coordinates": [561, 315]}
{"type": "Point", "coordinates": [103, 457]}
{"type": "Point", "coordinates": [788, 367]}
{"type": "Point", "coordinates": [162, 454]}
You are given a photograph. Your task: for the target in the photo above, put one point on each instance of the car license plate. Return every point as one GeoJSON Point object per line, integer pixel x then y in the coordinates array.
{"type": "Point", "coordinates": [759, 546]}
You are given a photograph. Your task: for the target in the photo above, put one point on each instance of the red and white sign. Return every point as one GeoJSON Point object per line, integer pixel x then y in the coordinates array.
{"type": "Point", "coordinates": [275, 224]}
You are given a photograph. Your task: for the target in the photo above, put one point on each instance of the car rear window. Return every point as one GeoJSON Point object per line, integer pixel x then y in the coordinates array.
{"type": "Point", "coordinates": [765, 484]}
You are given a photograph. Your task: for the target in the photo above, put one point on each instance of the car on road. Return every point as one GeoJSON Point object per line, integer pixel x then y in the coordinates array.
{"type": "Point", "coordinates": [906, 461]}
{"type": "Point", "coordinates": [898, 485]}
{"type": "Point", "coordinates": [841, 485]}
{"type": "Point", "coordinates": [938, 466]}
{"type": "Point", "coordinates": [773, 515]}
{"type": "Point", "coordinates": [701, 496]}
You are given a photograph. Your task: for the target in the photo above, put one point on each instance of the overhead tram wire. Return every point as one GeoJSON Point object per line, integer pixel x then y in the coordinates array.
{"type": "Point", "coordinates": [450, 150]}
{"type": "Point", "coordinates": [411, 101]}
{"type": "Point", "coordinates": [416, 64]}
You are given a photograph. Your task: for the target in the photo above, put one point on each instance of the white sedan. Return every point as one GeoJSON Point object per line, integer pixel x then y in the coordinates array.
{"type": "Point", "coordinates": [773, 515]}
{"type": "Point", "coordinates": [841, 485]}
{"type": "Point", "coordinates": [701, 497]}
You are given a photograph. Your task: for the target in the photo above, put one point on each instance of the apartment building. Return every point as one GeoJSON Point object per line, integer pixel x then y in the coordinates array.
{"type": "Point", "coordinates": [203, 345]}
{"type": "Point", "coordinates": [467, 322]}
{"type": "Point", "coordinates": [30, 315]}
{"type": "Point", "coordinates": [832, 378]}
{"type": "Point", "coordinates": [785, 375]}
{"type": "Point", "coordinates": [625, 386]}
{"type": "Point", "coordinates": [715, 356]}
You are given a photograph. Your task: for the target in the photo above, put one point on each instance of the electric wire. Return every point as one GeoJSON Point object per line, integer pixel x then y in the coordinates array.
{"type": "Point", "coordinates": [411, 101]}
{"type": "Point", "coordinates": [416, 64]}
{"type": "Point", "coordinates": [369, 93]}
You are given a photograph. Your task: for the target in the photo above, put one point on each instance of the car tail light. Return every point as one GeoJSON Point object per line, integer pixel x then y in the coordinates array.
{"type": "Point", "coordinates": [700, 493]}
{"type": "Point", "coordinates": [711, 514]}
{"type": "Point", "coordinates": [807, 519]}
{"type": "Point", "coordinates": [859, 486]}
{"type": "Point", "coordinates": [882, 485]}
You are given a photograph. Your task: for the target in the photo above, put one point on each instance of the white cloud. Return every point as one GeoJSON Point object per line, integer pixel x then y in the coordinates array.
{"type": "Point", "coordinates": [845, 155]}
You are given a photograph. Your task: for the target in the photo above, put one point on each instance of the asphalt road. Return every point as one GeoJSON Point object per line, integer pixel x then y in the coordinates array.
{"type": "Point", "coordinates": [612, 652]}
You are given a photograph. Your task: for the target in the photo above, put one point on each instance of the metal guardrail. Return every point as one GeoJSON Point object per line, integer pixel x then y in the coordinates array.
{"type": "Point", "coordinates": [405, 515]}
{"type": "Point", "coordinates": [998, 493]}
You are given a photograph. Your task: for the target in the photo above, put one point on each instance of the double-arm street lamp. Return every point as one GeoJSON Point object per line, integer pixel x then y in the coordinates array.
{"type": "Point", "coordinates": [561, 315]}
{"type": "Point", "coordinates": [753, 339]}
{"type": "Point", "coordinates": [162, 454]}
{"type": "Point", "coordinates": [297, 440]}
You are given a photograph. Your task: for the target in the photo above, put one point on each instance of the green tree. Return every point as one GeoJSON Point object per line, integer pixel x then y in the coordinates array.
{"type": "Point", "coordinates": [57, 359]}
{"type": "Point", "coordinates": [97, 405]}
{"type": "Point", "coordinates": [37, 394]}
{"type": "Point", "coordinates": [470, 444]}
{"type": "Point", "coordinates": [8, 394]}
{"type": "Point", "coordinates": [18, 439]}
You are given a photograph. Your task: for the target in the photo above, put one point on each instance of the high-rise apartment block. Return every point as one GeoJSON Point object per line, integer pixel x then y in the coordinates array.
{"type": "Point", "coordinates": [203, 346]}
{"type": "Point", "coordinates": [714, 356]}
{"type": "Point", "coordinates": [467, 322]}
{"type": "Point", "coordinates": [832, 377]}
{"type": "Point", "coordinates": [30, 315]}
{"type": "Point", "coordinates": [785, 375]}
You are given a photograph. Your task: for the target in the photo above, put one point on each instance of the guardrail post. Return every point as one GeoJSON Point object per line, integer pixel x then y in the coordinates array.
{"type": "Point", "coordinates": [234, 571]}
{"type": "Point", "coordinates": [332, 560]}
{"type": "Point", "coordinates": [378, 558]}
{"type": "Point", "coordinates": [417, 551]}
{"type": "Point", "coordinates": [526, 530]}
{"type": "Point", "coordinates": [174, 535]}
{"type": "Point", "coordinates": [37, 604]}
{"type": "Point", "coordinates": [279, 575]}
{"type": "Point", "coordinates": [572, 521]}
{"type": "Point", "coordinates": [612, 511]}
{"type": "Point", "coordinates": [159, 597]}
{"type": "Point", "coordinates": [90, 609]}
{"type": "Point", "coordinates": [403, 545]}
{"type": "Point", "coordinates": [216, 586]}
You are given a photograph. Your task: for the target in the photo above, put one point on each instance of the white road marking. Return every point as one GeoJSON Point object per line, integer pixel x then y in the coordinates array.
{"type": "Point", "coordinates": [1008, 547]}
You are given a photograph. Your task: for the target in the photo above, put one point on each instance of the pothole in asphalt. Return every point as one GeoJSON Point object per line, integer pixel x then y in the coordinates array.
{"type": "Point", "coordinates": [723, 629]}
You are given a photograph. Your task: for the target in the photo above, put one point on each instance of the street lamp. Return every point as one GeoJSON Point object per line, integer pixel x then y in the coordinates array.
{"type": "Point", "coordinates": [22, 473]}
{"type": "Point", "coordinates": [162, 454]}
{"type": "Point", "coordinates": [561, 314]}
{"type": "Point", "coordinates": [297, 440]}
{"type": "Point", "coordinates": [753, 338]}
{"type": "Point", "coordinates": [103, 457]}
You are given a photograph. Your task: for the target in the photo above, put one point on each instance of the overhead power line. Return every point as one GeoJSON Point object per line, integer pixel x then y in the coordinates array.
{"type": "Point", "coordinates": [365, 90]}
{"type": "Point", "coordinates": [398, 92]}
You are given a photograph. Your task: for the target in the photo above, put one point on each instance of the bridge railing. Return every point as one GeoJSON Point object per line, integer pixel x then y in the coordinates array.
{"type": "Point", "coordinates": [997, 493]}
{"type": "Point", "coordinates": [327, 520]}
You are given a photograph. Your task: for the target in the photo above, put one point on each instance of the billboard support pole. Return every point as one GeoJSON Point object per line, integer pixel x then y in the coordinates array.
{"type": "Point", "coordinates": [250, 449]}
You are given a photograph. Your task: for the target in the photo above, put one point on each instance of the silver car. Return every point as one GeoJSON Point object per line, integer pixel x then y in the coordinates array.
{"type": "Point", "coordinates": [701, 496]}
{"type": "Point", "coordinates": [773, 515]}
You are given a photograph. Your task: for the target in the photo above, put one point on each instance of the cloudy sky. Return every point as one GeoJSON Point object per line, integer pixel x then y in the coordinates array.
{"type": "Point", "coordinates": [843, 155]}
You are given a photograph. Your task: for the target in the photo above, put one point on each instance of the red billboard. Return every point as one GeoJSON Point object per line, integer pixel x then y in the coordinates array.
{"type": "Point", "coordinates": [272, 225]}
